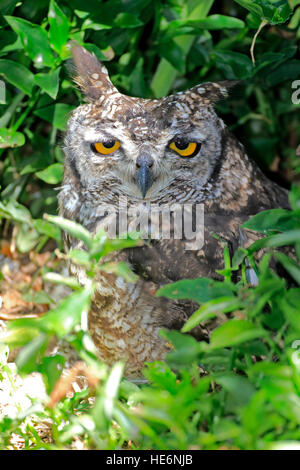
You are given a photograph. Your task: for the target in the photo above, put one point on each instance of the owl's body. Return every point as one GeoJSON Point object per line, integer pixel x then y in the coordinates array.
{"type": "Point", "coordinates": [125, 317]}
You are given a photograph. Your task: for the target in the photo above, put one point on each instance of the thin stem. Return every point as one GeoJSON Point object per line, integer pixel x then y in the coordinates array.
{"type": "Point", "coordinates": [29, 107]}
{"type": "Point", "coordinates": [262, 24]}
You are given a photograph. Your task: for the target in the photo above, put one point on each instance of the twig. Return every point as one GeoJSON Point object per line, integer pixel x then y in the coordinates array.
{"type": "Point", "coordinates": [15, 316]}
{"type": "Point", "coordinates": [262, 24]}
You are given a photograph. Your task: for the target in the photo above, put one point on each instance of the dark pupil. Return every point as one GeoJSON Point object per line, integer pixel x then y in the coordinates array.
{"type": "Point", "coordinates": [181, 144]}
{"type": "Point", "coordinates": [109, 144]}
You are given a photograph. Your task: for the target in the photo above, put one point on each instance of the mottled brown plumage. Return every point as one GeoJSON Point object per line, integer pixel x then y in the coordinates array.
{"type": "Point", "coordinates": [125, 318]}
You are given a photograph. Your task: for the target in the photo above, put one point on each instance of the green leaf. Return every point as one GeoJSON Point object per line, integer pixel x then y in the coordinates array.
{"type": "Point", "coordinates": [34, 40]}
{"type": "Point", "coordinates": [81, 257]}
{"type": "Point", "coordinates": [27, 238]}
{"type": "Point", "coordinates": [95, 50]}
{"type": "Point", "coordinates": [40, 297]}
{"type": "Point", "coordinates": [235, 332]}
{"type": "Point", "coordinates": [233, 64]}
{"type": "Point", "coordinates": [239, 256]}
{"type": "Point", "coordinates": [222, 21]}
{"type": "Point", "coordinates": [286, 238]}
{"type": "Point", "coordinates": [52, 174]}
{"type": "Point", "coordinates": [112, 388]}
{"type": "Point", "coordinates": [210, 310]}
{"type": "Point", "coordinates": [61, 320]}
{"type": "Point", "coordinates": [239, 390]}
{"type": "Point", "coordinates": [212, 22]}
{"type": "Point", "coordinates": [294, 196]}
{"type": "Point", "coordinates": [36, 162]}
{"type": "Point", "coordinates": [289, 70]}
{"type": "Point", "coordinates": [59, 279]}
{"type": "Point", "coordinates": [290, 307]}
{"type": "Point", "coordinates": [89, 24]}
{"type": "Point", "coordinates": [166, 73]}
{"type": "Point", "coordinates": [120, 269]}
{"type": "Point", "coordinates": [18, 75]}
{"type": "Point", "coordinates": [103, 245]}
{"type": "Point", "coordinates": [290, 265]}
{"type": "Point", "coordinates": [137, 84]}
{"type": "Point", "coordinates": [253, 21]}
{"type": "Point", "coordinates": [18, 336]}
{"type": "Point", "coordinates": [274, 219]}
{"type": "Point", "coordinates": [15, 211]}
{"type": "Point", "coordinates": [270, 60]}
{"type": "Point", "coordinates": [45, 228]}
{"type": "Point", "coordinates": [270, 369]}
{"type": "Point", "coordinates": [256, 348]}
{"type": "Point", "coordinates": [186, 348]}
{"type": "Point", "coordinates": [252, 6]}
{"type": "Point", "coordinates": [57, 114]}
{"type": "Point", "coordinates": [274, 12]}
{"type": "Point", "coordinates": [49, 82]}
{"type": "Point", "coordinates": [28, 356]}
{"type": "Point", "coordinates": [127, 20]}
{"type": "Point", "coordinates": [59, 27]}
{"type": "Point", "coordinates": [7, 6]}
{"type": "Point", "coordinates": [201, 290]}
{"type": "Point", "coordinates": [173, 54]}
{"type": "Point", "coordinates": [10, 138]}
{"type": "Point", "coordinates": [51, 367]}
{"type": "Point", "coordinates": [74, 229]}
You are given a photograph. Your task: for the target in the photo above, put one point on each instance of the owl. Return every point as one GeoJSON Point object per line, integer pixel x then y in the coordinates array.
{"type": "Point", "coordinates": [154, 152]}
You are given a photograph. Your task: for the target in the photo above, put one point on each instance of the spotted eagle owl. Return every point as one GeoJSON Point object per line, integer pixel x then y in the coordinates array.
{"type": "Point", "coordinates": [158, 151]}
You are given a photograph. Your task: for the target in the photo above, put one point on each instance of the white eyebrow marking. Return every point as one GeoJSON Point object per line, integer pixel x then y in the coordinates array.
{"type": "Point", "coordinates": [93, 135]}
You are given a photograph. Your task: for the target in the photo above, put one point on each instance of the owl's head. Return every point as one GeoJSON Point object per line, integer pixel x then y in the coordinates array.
{"type": "Point", "coordinates": [141, 148]}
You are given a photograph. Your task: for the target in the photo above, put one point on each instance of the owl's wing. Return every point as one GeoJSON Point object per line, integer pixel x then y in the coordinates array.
{"type": "Point", "coordinates": [165, 261]}
{"type": "Point", "coordinates": [160, 262]}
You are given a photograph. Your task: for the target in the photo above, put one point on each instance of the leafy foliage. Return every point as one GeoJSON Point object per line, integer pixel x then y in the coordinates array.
{"type": "Point", "coordinates": [231, 392]}
{"type": "Point", "coordinates": [242, 389]}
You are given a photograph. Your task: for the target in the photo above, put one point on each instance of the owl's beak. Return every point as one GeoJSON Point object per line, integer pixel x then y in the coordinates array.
{"type": "Point", "coordinates": [143, 175]}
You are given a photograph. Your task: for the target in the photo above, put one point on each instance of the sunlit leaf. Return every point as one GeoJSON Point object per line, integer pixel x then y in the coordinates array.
{"type": "Point", "coordinates": [59, 27]}
{"type": "Point", "coordinates": [27, 357]}
{"type": "Point", "coordinates": [127, 20]}
{"type": "Point", "coordinates": [57, 114]}
{"type": "Point", "coordinates": [17, 74]}
{"type": "Point", "coordinates": [235, 332]}
{"type": "Point", "coordinates": [11, 138]}
{"type": "Point", "coordinates": [201, 290]}
{"type": "Point", "coordinates": [52, 174]}
{"type": "Point", "coordinates": [74, 229]}
{"type": "Point", "coordinates": [275, 219]}
{"type": "Point", "coordinates": [16, 211]}
{"type": "Point", "coordinates": [290, 265]}
{"type": "Point", "coordinates": [212, 309]}
{"type": "Point", "coordinates": [34, 39]}
{"type": "Point", "coordinates": [48, 82]}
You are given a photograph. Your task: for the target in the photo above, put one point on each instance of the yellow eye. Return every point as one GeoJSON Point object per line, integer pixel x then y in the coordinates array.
{"type": "Point", "coordinates": [105, 148]}
{"type": "Point", "coordinates": [184, 148]}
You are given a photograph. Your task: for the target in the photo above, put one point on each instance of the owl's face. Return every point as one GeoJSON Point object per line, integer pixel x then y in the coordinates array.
{"type": "Point", "coordinates": [141, 148]}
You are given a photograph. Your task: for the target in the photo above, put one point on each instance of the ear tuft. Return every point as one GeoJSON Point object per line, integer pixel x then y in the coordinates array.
{"type": "Point", "coordinates": [91, 76]}
{"type": "Point", "coordinates": [212, 92]}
